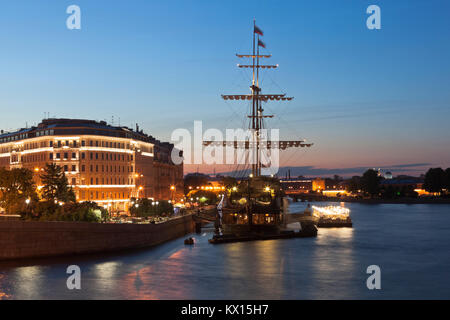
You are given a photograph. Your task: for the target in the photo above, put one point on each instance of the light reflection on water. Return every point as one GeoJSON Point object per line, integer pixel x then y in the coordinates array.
{"type": "Point", "coordinates": [409, 243]}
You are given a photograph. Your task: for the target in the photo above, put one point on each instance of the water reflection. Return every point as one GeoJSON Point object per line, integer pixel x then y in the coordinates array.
{"type": "Point", "coordinates": [401, 239]}
{"type": "Point", "coordinates": [28, 282]}
{"type": "Point", "coordinates": [147, 280]}
{"type": "Point", "coordinates": [334, 262]}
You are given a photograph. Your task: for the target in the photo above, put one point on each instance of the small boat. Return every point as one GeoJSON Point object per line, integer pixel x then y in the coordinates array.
{"type": "Point", "coordinates": [333, 217]}
{"type": "Point", "coordinates": [189, 241]}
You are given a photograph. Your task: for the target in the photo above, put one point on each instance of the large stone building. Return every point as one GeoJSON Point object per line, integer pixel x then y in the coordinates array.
{"type": "Point", "coordinates": [103, 163]}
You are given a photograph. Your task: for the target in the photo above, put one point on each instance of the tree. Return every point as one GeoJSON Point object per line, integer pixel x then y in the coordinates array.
{"type": "Point", "coordinates": [435, 180]}
{"type": "Point", "coordinates": [17, 190]}
{"type": "Point", "coordinates": [370, 182]}
{"type": "Point", "coordinates": [354, 184]}
{"type": "Point", "coordinates": [194, 180]}
{"type": "Point", "coordinates": [229, 182]}
{"type": "Point", "coordinates": [55, 185]}
{"type": "Point", "coordinates": [447, 179]}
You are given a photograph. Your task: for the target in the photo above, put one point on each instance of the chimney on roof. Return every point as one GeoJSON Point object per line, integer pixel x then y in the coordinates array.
{"type": "Point", "coordinates": [137, 128]}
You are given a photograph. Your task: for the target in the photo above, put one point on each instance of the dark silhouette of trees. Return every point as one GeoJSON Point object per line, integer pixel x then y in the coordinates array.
{"type": "Point", "coordinates": [194, 180]}
{"type": "Point", "coordinates": [353, 184]}
{"type": "Point", "coordinates": [228, 182]}
{"type": "Point", "coordinates": [370, 182]}
{"type": "Point", "coordinates": [435, 180]}
{"type": "Point", "coordinates": [447, 179]}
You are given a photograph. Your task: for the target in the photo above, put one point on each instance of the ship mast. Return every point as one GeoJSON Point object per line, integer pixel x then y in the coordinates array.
{"type": "Point", "coordinates": [257, 115]}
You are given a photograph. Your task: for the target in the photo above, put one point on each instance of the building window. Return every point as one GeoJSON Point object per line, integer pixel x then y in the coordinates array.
{"type": "Point", "coordinates": [51, 143]}
{"type": "Point", "coordinates": [74, 181]}
{"type": "Point", "coordinates": [66, 168]}
{"type": "Point", "coordinates": [66, 155]}
{"type": "Point", "coordinates": [74, 168]}
{"type": "Point", "coordinates": [74, 155]}
{"type": "Point", "coordinates": [83, 143]}
{"type": "Point", "coordinates": [83, 168]}
{"type": "Point", "coordinates": [51, 156]}
{"type": "Point", "coordinates": [83, 155]}
{"type": "Point", "coordinates": [58, 156]}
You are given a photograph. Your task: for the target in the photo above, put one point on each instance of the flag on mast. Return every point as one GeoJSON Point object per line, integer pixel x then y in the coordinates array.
{"type": "Point", "coordinates": [258, 31]}
{"type": "Point", "coordinates": [261, 44]}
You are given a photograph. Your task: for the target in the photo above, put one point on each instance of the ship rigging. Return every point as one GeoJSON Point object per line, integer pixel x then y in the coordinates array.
{"type": "Point", "coordinates": [258, 140]}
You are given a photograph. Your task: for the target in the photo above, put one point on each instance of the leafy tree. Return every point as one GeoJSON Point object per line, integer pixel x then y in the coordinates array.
{"type": "Point", "coordinates": [370, 182]}
{"type": "Point", "coordinates": [229, 182]}
{"type": "Point", "coordinates": [82, 212]}
{"type": "Point", "coordinates": [145, 208]}
{"type": "Point", "coordinates": [354, 184]}
{"type": "Point", "coordinates": [55, 185]}
{"type": "Point", "coordinates": [16, 187]}
{"type": "Point", "coordinates": [435, 180]}
{"type": "Point", "coordinates": [194, 180]}
{"type": "Point", "coordinates": [447, 179]}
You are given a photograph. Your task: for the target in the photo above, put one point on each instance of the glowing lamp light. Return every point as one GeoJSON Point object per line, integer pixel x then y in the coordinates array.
{"type": "Point", "coordinates": [172, 187]}
{"type": "Point", "coordinates": [27, 201]}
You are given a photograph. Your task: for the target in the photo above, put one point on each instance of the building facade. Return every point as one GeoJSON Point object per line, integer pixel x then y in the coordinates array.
{"type": "Point", "coordinates": [103, 163]}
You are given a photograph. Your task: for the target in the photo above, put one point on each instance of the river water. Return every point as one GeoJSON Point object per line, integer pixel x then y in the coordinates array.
{"type": "Point", "coordinates": [410, 244]}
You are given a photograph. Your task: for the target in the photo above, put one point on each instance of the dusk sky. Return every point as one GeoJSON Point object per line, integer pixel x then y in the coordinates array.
{"type": "Point", "coordinates": [366, 98]}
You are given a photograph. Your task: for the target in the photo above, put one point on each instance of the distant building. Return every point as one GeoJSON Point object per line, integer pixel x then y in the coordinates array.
{"type": "Point", "coordinates": [318, 184]}
{"type": "Point", "coordinates": [297, 185]}
{"type": "Point", "coordinates": [103, 163]}
{"type": "Point", "coordinates": [388, 175]}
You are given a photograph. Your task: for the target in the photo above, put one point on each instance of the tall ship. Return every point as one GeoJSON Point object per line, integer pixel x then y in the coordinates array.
{"type": "Point", "coordinates": [256, 208]}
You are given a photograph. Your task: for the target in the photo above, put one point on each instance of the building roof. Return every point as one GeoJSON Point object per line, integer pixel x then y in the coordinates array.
{"type": "Point", "coordinates": [64, 126]}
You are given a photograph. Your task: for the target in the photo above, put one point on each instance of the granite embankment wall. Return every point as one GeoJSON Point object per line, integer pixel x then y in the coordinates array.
{"type": "Point", "coordinates": [28, 239]}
